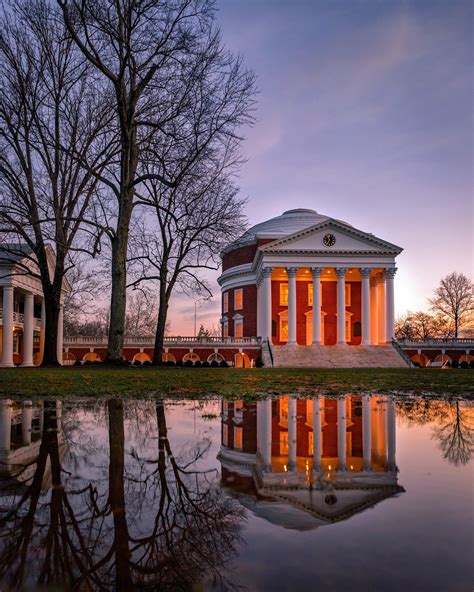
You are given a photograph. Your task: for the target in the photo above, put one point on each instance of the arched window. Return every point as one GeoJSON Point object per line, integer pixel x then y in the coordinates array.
{"type": "Point", "coordinates": [191, 357]}
{"type": "Point", "coordinates": [216, 358]}
{"type": "Point", "coordinates": [141, 357]}
{"type": "Point", "coordinates": [167, 357]}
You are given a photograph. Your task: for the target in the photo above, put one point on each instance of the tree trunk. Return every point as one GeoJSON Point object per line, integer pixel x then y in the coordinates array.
{"type": "Point", "coordinates": [161, 327]}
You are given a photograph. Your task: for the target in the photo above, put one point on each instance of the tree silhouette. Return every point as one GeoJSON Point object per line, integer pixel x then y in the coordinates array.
{"type": "Point", "coordinates": [455, 435]}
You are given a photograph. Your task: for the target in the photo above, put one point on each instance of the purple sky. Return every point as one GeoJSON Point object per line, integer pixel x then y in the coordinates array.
{"type": "Point", "coordinates": [364, 114]}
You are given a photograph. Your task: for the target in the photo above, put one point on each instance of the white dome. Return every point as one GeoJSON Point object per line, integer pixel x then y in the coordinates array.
{"type": "Point", "coordinates": [289, 222]}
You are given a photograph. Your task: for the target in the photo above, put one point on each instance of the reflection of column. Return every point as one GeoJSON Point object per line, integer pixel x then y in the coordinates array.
{"type": "Point", "coordinates": [59, 342]}
{"type": "Point", "coordinates": [291, 272]}
{"type": "Point", "coordinates": [374, 311]}
{"type": "Point", "coordinates": [28, 326]}
{"type": "Point", "coordinates": [341, 433]}
{"type": "Point", "coordinates": [41, 419]}
{"type": "Point", "coordinates": [366, 432]}
{"type": "Point", "coordinates": [341, 304]}
{"type": "Point", "coordinates": [317, 304]}
{"type": "Point", "coordinates": [390, 305]}
{"type": "Point", "coordinates": [26, 417]}
{"type": "Point", "coordinates": [317, 434]}
{"type": "Point", "coordinates": [267, 304]}
{"type": "Point", "coordinates": [381, 308]}
{"type": "Point", "coordinates": [382, 440]}
{"type": "Point", "coordinates": [7, 328]}
{"type": "Point", "coordinates": [391, 429]}
{"type": "Point", "coordinates": [264, 436]}
{"type": "Point", "coordinates": [5, 426]}
{"type": "Point", "coordinates": [291, 434]}
{"type": "Point", "coordinates": [366, 271]}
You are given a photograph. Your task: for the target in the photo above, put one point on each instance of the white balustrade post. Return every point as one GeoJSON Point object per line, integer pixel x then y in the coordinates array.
{"type": "Point", "coordinates": [367, 432]}
{"type": "Point", "coordinates": [26, 420]}
{"type": "Point", "coordinates": [317, 434]}
{"type": "Point", "coordinates": [291, 272]}
{"type": "Point", "coordinates": [292, 419]}
{"type": "Point", "coordinates": [374, 311]}
{"type": "Point", "coordinates": [7, 327]}
{"type": "Point", "coordinates": [59, 342]}
{"type": "Point", "coordinates": [390, 305]}
{"type": "Point", "coordinates": [28, 327]}
{"type": "Point", "coordinates": [317, 304]}
{"type": "Point", "coordinates": [381, 309]}
{"type": "Point", "coordinates": [341, 304]}
{"type": "Point", "coordinates": [341, 433]}
{"type": "Point", "coordinates": [264, 436]}
{"type": "Point", "coordinates": [365, 305]}
{"type": "Point", "coordinates": [391, 429]}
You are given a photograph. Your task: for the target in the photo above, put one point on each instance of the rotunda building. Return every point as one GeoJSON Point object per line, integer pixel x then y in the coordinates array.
{"type": "Point", "coordinates": [304, 278]}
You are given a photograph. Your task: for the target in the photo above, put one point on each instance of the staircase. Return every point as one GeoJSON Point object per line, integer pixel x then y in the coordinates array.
{"type": "Point", "coordinates": [335, 356]}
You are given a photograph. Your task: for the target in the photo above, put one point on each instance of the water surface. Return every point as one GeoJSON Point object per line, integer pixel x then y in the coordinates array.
{"type": "Point", "coordinates": [360, 493]}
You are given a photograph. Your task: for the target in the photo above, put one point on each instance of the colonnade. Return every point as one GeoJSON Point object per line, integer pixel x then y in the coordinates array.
{"type": "Point", "coordinates": [377, 307]}
{"type": "Point", "coordinates": [8, 324]}
{"type": "Point", "coordinates": [382, 424]}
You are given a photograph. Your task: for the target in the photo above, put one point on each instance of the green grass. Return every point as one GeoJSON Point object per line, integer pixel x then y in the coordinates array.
{"type": "Point", "coordinates": [227, 382]}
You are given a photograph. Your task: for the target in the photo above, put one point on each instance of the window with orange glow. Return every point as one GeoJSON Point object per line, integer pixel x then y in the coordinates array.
{"type": "Point", "coordinates": [225, 435]}
{"type": "Point", "coordinates": [225, 329]}
{"type": "Point", "coordinates": [283, 443]}
{"type": "Point", "coordinates": [310, 294]}
{"type": "Point", "coordinates": [310, 443]}
{"type": "Point", "coordinates": [348, 294]}
{"type": "Point", "coordinates": [238, 328]}
{"type": "Point", "coordinates": [238, 299]}
{"type": "Point", "coordinates": [238, 443]}
{"type": "Point", "coordinates": [283, 294]}
{"type": "Point", "coordinates": [226, 302]}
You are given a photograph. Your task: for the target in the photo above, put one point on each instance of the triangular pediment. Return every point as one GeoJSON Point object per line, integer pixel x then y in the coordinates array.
{"type": "Point", "coordinates": [345, 239]}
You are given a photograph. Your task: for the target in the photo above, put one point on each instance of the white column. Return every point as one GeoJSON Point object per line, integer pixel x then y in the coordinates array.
{"type": "Point", "coordinates": [291, 272]}
{"type": "Point", "coordinates": [390, 305]}
{"type": "Point", "coordinates": [42, 328]}
{"type": "Point", "coordinates": [7, 328]}
{"type": "Point", "coordinates": [381, 308]}
{"type": "Point", "coordinates": [292, 418]}
{"type": "Point", "coordinates": [366, 432]}
{"type": "Point", "coordinates": [316, 304]}
{"type": "Point", "coordinates": [341, 304]}
{"type": "Point", "coordinates": [374, 311]}
{"type": "Point", "coordinates": [366, 271]}
{"type": "Point", "coordinates": [267, 303]}
{"type": "Point", "coordinates": [341, 433]}
{"type": "Point", "coordinates": [28, 327]}
{"type": "Point", "coordinates": [59, 342]}
{"type": "Point", "coordinates": [317, 434]}
{"type": "Point", "coordinates": [264, 436]}
{"type": "Point", "coordinates": [26, 419]}
{"type": "Point", "coordinates": [391, 429]}
{"type": "Point", "coordinates": [5, 426]}
{"type": "Point", "coordinates": [259, 308]}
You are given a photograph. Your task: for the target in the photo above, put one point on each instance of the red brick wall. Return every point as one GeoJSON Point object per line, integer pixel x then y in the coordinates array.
{"type": "Point", "coordinates": [239, 256]}
{"type": "Point", "coordinates": [249, 310]}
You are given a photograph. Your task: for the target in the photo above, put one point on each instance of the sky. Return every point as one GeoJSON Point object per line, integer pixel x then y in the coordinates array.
{"type": "Point", "coordinates": [364, 114]}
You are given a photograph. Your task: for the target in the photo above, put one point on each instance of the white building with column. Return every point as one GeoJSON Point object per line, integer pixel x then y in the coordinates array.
{"type": "Point", "coordinates": [304, 280]}
{"type": "Point", "coordinates": [22, 310]}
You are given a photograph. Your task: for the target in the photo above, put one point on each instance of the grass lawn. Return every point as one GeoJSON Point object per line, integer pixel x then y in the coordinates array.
{"type": "Point", "coordinates": [228, 382]}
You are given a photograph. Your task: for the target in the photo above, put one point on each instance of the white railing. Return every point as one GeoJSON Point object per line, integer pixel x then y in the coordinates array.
{"type": "Point", "coordinates": [19, 318]}
{"type": "Point", "coordinates": [451, 341]}
{"type": "Point", "coordinates": [176, 341]}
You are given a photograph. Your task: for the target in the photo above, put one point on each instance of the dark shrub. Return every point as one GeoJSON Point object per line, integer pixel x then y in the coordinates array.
{"type": "Point", "coordinates": [224, 364]}
{"type": "Point", "coordinates": [215, 364]}
{"type": "Point", "coordinates": [455, 364]}
{"type": "Point", "coordinates": [259, 363]}
{"type": "Point", "coordinates": [471, 364]}
{"type": "Point", "coordinates": [147, 363]}
{"type": "Point", "coordinates": [170, 363]}
{"type": "Point", "coordinates": [180, 363]}
{"type": "Point", "coordinates": [464, 365]}
{"type": "Point", "coordinates": [77, 363]}
{"type": "Point", "coordinates": [188, 364]}
{"type": "Point", "coordinates": [416, 364]}
{"type": "Point", "coordinates": [205, 364]}
{"type": "Point", "coordinates": [198, 364]}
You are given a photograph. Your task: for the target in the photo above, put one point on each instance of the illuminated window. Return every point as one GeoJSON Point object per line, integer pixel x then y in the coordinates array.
{"type": "Point", "coordinates": [239, 328]}
{"type": "Point", "coordinates": [238, 409]}
{"type": "Point", "coordinates": [283, 443]}
{"type": "Point", "coordinates": [225, 301]}
{"type": "Point", "coordinates": [348, 294]}
{"type": "Point", "coordinates": [225, 328]}
{"type": "Point", "coordinates": [283, 294]}
{"type": "Point", "coordinates": [225, 435]}
{"type": "Point", "coordinates": [310, 443]}
{"type": "Point", "coordinates": [310, 294]}
{"type": "Point", "coordinates": [238, 299]}
{"type": "Point", "coordinates": [238, 445]}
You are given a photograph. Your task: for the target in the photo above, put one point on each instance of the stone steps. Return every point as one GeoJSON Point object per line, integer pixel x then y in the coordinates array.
{"type": "Point", "coordinates": [334, 356]}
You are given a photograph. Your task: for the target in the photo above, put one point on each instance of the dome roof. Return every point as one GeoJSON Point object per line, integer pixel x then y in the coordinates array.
{"type": "Point", "coordinates": [289, 222]}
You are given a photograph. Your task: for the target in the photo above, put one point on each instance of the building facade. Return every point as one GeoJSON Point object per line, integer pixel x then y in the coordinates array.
{"type": "Point", "coordinates": [304, 278]}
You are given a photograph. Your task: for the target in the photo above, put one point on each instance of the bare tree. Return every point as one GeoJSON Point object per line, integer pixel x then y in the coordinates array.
{"type": "Point", "coordinates": [195, 221]}
{"type": "Point", "coordinates": [49, 105]}
{"type": "Point", "coordinates": [422, 325]}
{"type": "Point", "coordinates": [142, 313]}
{"type": "Point", "coordinates": [167, 68]}
{"type": "Point", "coordinates": [455, 434]}
{"type": "Point", "coordinates": [454, 299]}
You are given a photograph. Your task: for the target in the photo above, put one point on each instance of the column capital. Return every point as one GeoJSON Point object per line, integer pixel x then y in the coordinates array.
{"type": "Point", "coordinates": [292, 271]}
{"type": "Point", "coordinates": [390, 272]}
{"type": "Point", "coordinates": [366, 271]}
{"type": "Point", "coordinates": [317, 271]}
{"type": "Point", "coordinates": [341, 272]}
{"type": "Point", "coordinates": [267, 272]}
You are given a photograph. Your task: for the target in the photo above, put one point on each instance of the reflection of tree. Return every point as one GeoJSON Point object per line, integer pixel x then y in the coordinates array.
{"type": "Point", "coordinates": [455, 435]}
{"type": "Point", "coordinates": [155, 521]}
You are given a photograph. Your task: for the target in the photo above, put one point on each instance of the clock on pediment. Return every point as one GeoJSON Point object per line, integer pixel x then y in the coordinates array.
{"type": "Point", "coordinates": [329, 240]}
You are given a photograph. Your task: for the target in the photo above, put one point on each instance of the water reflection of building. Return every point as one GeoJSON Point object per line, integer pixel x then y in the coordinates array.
{"type": "Point", "coordinates": [21, 430]}
{"type": "Point", "coordinates": [329, 458]}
